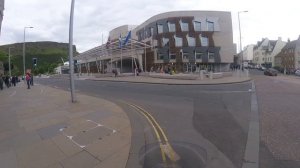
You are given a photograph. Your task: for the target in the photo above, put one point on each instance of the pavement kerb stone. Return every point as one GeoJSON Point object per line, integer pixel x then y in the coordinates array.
{"type": "Point", "coordinates": [169, 83]}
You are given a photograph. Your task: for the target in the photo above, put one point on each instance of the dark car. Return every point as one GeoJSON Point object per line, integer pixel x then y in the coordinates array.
{"type": "Point", "coordinates": [270, 72]}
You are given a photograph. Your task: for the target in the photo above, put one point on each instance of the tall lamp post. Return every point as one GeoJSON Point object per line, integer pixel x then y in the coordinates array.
{"type": "Point", "coordinates": [9, 66]}
{"type": "Point", "coordinates": [71, 62]}
{"type": "Point", "coordinates": [30, 27]}
{"type": "Point", "coordinates": [241, 37]}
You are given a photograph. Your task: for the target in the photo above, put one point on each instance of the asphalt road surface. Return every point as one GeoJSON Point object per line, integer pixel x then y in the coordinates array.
{"type": "Point", "coordinates": [205, 126]}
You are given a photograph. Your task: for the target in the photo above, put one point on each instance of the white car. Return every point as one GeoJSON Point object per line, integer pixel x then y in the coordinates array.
{"type": "Point", "coordinates": [297, 72]}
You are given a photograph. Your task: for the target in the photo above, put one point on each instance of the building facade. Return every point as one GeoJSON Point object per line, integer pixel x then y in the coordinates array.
{"type": "Point", "coordinates": [182, 41]}
{"type": "Point", "coordinates": [289, 57]}
{"type": "Point", "coordinates": [248, 53]}
{"type": "Point", "coordinates": [266, 50]}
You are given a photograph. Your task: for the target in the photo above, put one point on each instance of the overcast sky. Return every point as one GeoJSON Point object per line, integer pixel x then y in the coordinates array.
{"type": "Point", "coordinates": [50, 18]}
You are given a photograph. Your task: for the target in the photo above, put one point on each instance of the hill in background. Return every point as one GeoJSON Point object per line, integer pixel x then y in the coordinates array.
{"type": "Point", "coordinates": [49, 55]}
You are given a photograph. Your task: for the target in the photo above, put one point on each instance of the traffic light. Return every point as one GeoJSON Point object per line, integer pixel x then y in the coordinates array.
{"type": "Point", "coordinates": [34, 60]}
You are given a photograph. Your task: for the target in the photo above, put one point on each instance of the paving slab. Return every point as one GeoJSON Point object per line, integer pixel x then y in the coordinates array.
{"type": "Point", "coordinates": [80, 160]}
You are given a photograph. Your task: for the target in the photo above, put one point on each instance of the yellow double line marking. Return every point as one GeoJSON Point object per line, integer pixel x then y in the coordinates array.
{"type": "Point", "coordinates": [165, 148]}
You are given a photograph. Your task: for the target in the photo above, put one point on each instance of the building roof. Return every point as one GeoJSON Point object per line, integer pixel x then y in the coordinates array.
{"type": "Point", "coordinates": [290, 45]}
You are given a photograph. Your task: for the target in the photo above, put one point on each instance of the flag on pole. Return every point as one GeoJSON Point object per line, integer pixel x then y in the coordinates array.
{"type": "Point", "coordinates": [108, 42]}
{"type": "Point", "coordinates": [127, 38]}
{"type": "Point", "coordinates": [120, 41]}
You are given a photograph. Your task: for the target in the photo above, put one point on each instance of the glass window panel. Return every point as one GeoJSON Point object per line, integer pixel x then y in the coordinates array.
{"type": "Point", "coordinates": [204, 41]}
{"type": "Point", "coordinates": [210, 26]}
{"type": "Point", "coordinates": [172, 27]}
{"type": "Point", "coordinates": [211, 55]}
{"type": "Point", "coordinates": [197, 26]}
{"type": "Point", "coordinates": [160, 56]}
{"type": "Point", "coordinates": [165, 41]}
{"type": "Point", "coordinates": [184, 26]}
{"type": "Point", "coordinates": [172, 56]}
{"type": "Point", "coordinates": [160, 28]}
{"type": "Point", "coordinates": [199, 55]}
{"type": "Point", "coordinates": [185, 55]}
{"type": "Point", "coordinates": [191, 41]}
{"type": "Point", "coordinates": [178, 41]}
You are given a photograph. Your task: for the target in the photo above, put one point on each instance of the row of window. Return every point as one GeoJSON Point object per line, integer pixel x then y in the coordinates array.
{"type": "Point", "coordinates": [185, 56]}
{"type": "Point", "coordinates": [191, 41]}
{"type": "Point", "coordinates": [184, 26]}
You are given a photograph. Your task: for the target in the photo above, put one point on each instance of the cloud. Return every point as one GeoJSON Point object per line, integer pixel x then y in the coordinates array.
{"type": "Point", "coordinates": [96, 17]}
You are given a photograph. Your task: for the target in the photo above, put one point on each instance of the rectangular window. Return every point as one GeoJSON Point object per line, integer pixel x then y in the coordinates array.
{"type": "Point", "coordinates": [211, 55]}
{"type": "Point", "coordinates": [197, 26]}
{"type": "Point", "coordinates": [204, 41]}
{"type": "Point", "coordinates": [191, 41]}
{"type": "Point", "coordinates": [184, 26]}
{"type": "Point", "coordinates": [160, 28]}
{"type": "Point", "coordinates": [198, 55]}
{"type": "Point", "coordinates": [151, 31]}
{"type": "Point", "coordinates": [185, 55]}
{"type": "Point", "coordinates": [178, 41]}
{"type": "Point", "coordinates": [165, 42]}
{"type": "Point", "coordinates": [160, 56]}
{"type": "Point", "coordinates": [172, 27]}
{"type": "Point", "coordinates": [210, 26]}
{"type": "Point", "coordinates": [172, 56]}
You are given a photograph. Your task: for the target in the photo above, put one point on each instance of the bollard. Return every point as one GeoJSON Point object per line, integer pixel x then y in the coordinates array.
{"type": "Point", "coordinates": [210, 75]}
{"type": "Point", "coordinates": [201, 74]}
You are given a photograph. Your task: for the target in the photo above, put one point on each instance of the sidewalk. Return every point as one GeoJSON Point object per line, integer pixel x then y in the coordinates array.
{"type": "Point", "coordinates": [236, 77]}
{"type": "Point", "coordinates": [41, 128]}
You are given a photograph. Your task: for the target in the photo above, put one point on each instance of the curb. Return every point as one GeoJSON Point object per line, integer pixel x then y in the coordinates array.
{"type": "Point", "coordinates": [161, 83]}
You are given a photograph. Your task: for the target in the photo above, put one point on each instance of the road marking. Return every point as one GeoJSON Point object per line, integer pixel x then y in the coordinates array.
{"type": "Point", "coordinates": [70, 137]}
{"type": "Point", "coordinates": [165, 147]}
{"type": "Point", "coordinates": [230, 91]}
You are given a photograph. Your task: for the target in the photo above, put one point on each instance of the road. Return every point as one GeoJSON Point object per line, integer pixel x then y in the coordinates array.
{"type": "Point", "coordinates": [205, 125]}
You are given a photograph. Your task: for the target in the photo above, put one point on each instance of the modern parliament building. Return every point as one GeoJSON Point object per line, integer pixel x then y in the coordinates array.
{"type": "Point", "coordinates": [184, 41]}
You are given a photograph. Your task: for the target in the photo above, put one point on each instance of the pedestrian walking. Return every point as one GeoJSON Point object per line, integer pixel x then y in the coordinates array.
{"type": "Point", "coordinates": [14, 80]}
{"type": "Point", "coordinates": [31, 79]}
{"type": "Point", "coordinates": [27, 78]}
{"type": "Point", "coordinates": [7, 81]}
{"type": "Point", "coordinates": [1, 82]}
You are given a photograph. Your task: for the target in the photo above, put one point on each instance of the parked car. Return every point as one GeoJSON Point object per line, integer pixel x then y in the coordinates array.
{"type": "Point", "coordinates": [297, 72]}
{"type": "Point", "coordinates": [271, 72]}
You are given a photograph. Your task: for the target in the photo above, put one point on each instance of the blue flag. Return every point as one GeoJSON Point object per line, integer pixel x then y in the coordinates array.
{"type": "Point", "coordinates": [120, 41]}
{"type": "Point", "coordinates": [127, 38]}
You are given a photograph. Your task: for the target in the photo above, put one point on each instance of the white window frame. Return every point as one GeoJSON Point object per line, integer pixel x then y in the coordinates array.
{"type": "Point", "coordinates": [182, 27]}
{"type": "Point", "coordinates": [195, 26]}
{"type": "Point", "coordinates": [158, 26]}
{"type": "Point", "coordinates": [189, 39]}
{"type": "Point", "coordinates": [176, 42]}
{"type": "Point", "coordinates": [170, 25]}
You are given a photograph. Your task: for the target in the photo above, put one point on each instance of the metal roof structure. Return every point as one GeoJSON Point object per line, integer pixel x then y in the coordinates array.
{"type": "Point", "coordinates": [113, 50]}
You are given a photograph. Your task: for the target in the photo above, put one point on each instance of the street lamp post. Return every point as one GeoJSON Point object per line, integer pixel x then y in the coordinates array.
{"type": "Point", "coordinates": [9, 66]}
{"type": "Point", "coordinates": [71, 62]}
{"type": "Point", "coordinates": [30, 27]}
{"type": "Point", "coordinates": [241, 37]}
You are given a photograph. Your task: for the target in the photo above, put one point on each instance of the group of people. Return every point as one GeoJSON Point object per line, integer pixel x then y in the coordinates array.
{"type": "Point", "coordinates": [8, 81]}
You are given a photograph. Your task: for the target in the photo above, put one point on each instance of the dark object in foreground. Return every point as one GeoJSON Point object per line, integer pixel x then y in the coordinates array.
{"type": "Point", "coordinates": [270, 72]}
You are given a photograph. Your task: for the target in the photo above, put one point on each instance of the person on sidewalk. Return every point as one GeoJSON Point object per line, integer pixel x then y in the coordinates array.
{"type": "Point", "coordinates": [1, 82]}
{"type": "Point", "coordinates": [13, 80]}
{"type": "Point", "coordinates": [7, 81]}
{"type": "Point", "coordinates": [31, 79]}
{"type": "Point", "coordinates": [27, 78]}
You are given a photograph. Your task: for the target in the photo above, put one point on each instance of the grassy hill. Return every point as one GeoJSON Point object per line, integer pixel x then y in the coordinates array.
{"type": "Point", "coordinates": [49, 55]}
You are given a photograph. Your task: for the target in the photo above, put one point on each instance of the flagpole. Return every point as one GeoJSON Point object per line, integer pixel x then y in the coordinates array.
{"type": "Point", "coordinates": [121, 58]}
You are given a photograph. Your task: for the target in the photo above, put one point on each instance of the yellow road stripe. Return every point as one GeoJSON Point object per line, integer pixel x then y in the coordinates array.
{"type": "Point", "coordinates": [165, 148]}
{"type": "Point", "coordinates": [156, 132]}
